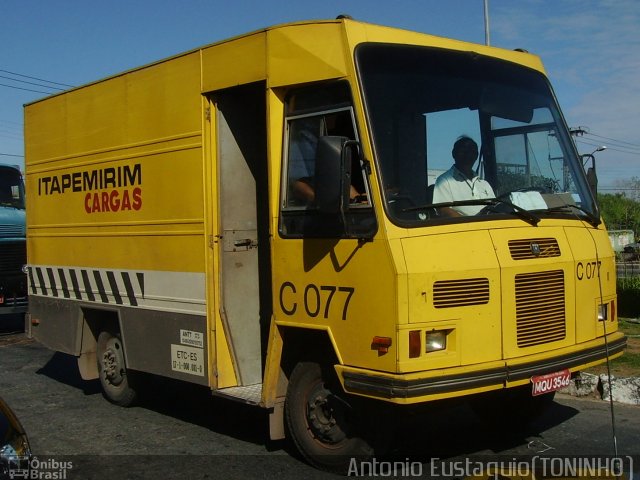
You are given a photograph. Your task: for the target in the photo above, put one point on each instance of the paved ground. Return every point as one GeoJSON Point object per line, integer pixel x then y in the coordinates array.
{"type": "Point", "coordinates": [180, 431]}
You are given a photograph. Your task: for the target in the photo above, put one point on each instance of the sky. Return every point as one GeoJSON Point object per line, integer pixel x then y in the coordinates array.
{"type": "Point", "coordinates": [590, 48]}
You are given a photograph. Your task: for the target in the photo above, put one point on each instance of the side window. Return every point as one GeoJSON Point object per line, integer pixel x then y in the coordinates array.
{"type": "Point", "coordinates": [303, 134]}
{"type": "Point", "coordinates": [11, 188]}
{"type": "Point", "coordinates": [312, 114]}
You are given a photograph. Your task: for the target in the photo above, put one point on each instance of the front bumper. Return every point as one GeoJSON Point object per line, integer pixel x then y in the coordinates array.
{"type": "Point", "coordinates": [12, 305]}
{"type": "Point", "coordinates": [20, 307]}
{"type": "Point", "coordinates": [425, 386]}
{"type": "Point", "coordinates": [13, 293]}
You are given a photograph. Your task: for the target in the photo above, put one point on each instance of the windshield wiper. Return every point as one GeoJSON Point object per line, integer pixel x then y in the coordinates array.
{"type": "Point", "coordinates": [591, 218]}
{"type": "Point", "coordinates": [525, 215]}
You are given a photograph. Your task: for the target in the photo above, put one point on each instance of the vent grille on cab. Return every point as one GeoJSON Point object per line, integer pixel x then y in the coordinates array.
{"type": "Point", "coordinates": [460, 293]}
{"type": "Point", "coordinates": [534, 248]}
{"type": "Point", "coordinates": [540, 308]}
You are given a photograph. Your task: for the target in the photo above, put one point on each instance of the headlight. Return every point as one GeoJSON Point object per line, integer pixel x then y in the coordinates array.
{"type": "Point", "coordinates": [602, 313]}
{"type": "Point", "coordinates": [436, 340]}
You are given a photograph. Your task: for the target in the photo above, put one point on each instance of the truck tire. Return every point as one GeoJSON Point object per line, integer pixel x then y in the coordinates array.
{"type": "Point", "coordinates": [114, 378]}
{"type": "Point", "coordinates": [321, 421]}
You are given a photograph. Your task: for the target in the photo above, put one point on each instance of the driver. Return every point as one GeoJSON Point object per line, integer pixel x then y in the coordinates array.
{"type": "Point", "coordinates": [460, 182]}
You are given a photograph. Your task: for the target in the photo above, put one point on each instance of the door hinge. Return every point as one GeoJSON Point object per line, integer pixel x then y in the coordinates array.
{"type": "Point", "coordinates": [207, 113]}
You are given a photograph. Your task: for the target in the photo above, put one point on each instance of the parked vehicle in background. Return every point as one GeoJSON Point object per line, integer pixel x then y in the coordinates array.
{"type": "Point", "coordinates": [14, 445]}
{"type": "Point", "coordinates": [620, 239]}
{"type": "Point", "coordinates": [13, 255]}
{"type": "Point", "coordinates": [631, 252]}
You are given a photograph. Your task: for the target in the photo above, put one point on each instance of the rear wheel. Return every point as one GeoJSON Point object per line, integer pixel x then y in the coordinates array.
{"type": "Point", "coordinates": [321, 420]}
{"type": "Point", "coordinates": [115, 380]}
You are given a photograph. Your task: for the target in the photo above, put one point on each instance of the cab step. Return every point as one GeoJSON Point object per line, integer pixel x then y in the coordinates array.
{"type": "Point", "coordinates": [250, 394]}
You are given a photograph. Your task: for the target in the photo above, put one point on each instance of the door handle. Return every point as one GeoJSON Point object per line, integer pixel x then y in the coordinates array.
{"type": "Point", "coordinates": [245, 242]}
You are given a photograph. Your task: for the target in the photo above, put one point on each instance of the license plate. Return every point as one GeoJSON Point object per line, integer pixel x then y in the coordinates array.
{"type": "Point", "coordinates": [550, 382]}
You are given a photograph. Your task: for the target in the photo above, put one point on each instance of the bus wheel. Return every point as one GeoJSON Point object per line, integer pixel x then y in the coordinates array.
{"type": "Point", "coordinates": [115, 380]}
{"type": "Point", "coordinates": [321, 421]}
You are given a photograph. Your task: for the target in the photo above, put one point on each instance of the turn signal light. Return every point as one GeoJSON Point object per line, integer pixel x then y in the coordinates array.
{"type": "Point", "coordinates": [381, 344]}
{"type": "Point", "coordinates": [415, 343]}
{"type": "Point", "coordinates": [613, 310]}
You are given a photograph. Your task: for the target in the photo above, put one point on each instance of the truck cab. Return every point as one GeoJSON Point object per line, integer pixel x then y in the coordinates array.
{"type": "Point", "coordinates": [13, 257]}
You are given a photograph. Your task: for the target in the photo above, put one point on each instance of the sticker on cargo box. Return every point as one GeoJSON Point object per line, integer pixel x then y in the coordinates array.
{"type": "Point", "coordinates": [187, 360]}
{"type": "Point", "coordinates": [191, 338]}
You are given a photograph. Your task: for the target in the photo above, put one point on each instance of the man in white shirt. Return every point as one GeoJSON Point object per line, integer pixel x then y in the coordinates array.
{"type": "Point", "coordinates": [460, 182]}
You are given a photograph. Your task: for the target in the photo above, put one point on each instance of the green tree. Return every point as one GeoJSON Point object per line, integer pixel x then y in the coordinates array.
{"type": "Point", "coordinates": [620, 212]}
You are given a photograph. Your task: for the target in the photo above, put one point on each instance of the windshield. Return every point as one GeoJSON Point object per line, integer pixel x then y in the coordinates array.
{"type": "Point", "coordinates": [11, 188]}
{"type": "Point", "coordinates": [461, 136]}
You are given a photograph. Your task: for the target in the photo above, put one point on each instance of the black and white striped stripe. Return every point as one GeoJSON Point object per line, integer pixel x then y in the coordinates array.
{"type": "Point", "coordinates": [94, 285]}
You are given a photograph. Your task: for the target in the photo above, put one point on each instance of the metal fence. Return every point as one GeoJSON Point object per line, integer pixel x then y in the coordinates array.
{"type": "Point", "coordinates": [627, 269]}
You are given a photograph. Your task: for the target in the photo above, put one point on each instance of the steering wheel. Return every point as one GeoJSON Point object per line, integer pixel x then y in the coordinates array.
{"type": "Point", "coordinates": [532, 189]}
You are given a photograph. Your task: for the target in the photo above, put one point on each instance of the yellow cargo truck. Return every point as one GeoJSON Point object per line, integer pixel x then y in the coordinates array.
{"type": "Point", "coordinates": [260, 216]}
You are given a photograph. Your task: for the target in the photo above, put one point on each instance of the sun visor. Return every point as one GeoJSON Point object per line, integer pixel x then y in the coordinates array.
{"type": "Point", "coordinates": [506, 103]}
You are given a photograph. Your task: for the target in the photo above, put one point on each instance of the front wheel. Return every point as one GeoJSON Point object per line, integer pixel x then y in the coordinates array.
{"type": "Point", "coordinates": [114, 378]}
{"type": "Point", "coordinates": [321, 421]}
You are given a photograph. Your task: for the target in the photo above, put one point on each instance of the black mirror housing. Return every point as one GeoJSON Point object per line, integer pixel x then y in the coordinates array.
{"type": "Point", "coordinates": [332, 175]}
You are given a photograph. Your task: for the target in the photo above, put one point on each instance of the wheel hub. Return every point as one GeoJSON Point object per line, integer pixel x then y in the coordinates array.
{"type": "Point", "coordinates": [326, 415]}
{"type": "Point", "coordinates": [113, 362]}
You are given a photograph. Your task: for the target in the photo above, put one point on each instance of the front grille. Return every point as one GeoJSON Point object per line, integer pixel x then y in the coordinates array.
{"type": "Point", "coordinates": [13, 255]}
{"type": "Point", "coordinates": [534, 248]}
{"type": "Point", "coordinates": [460, 293]}
{"type": "Point", "coordinates": [13, 302]}
{"type": "Point", "coordinates": [540, 308]}
{"type": "Point", "coordinates": [11, 230]}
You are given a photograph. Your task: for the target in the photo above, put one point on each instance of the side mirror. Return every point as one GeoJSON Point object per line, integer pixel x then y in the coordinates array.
{"type": "Point", "coordinates": [334, 158]}
{"type": "Point", "coordinates": [592, 180]}
{"type": "Point", "coordinates": [333, 174]}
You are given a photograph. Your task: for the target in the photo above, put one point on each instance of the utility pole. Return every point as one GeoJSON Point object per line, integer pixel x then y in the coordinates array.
{"type": "Point", "coordinates": [487, 39]}
{"type": "Point", "coordinates": [579, 131]}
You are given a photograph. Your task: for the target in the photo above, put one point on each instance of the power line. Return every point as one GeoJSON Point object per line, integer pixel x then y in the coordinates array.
{"type": "Point", "coordinates": [11, 155]}
{"type": "Point", "coordinates": [36, 78]}
{"type": "Point", "coordinates": [634, 145]}
{"type": "Point", "coordinates": [614, 148]}
{"type": "Point", "coordinates": [613, 144]}
{"type": "Point", "coordinates": [27, 89]}
{"type": "Point", "coordinates": [30, 83]}
{"type": "Point", "coordinates": [51, 87]}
